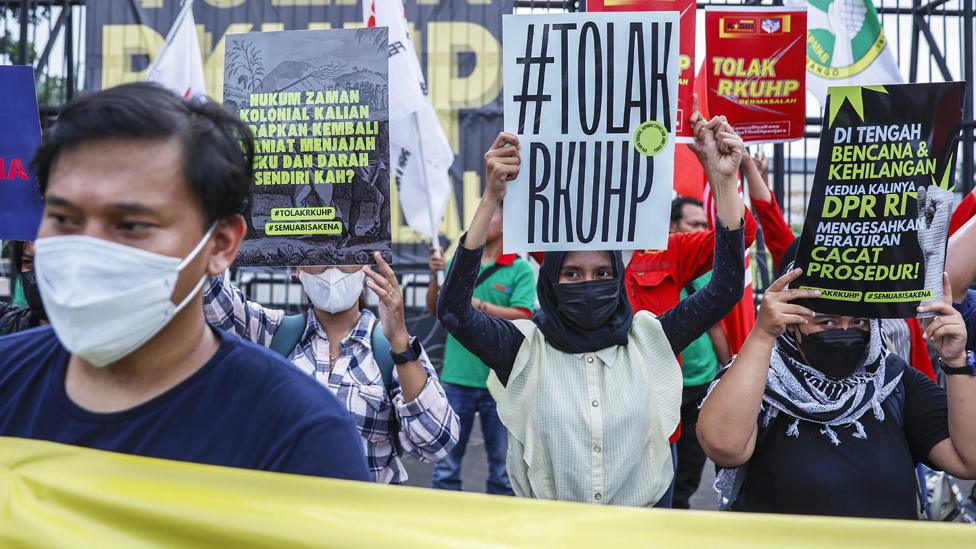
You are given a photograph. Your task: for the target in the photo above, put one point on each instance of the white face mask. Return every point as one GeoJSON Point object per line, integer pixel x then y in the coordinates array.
{"type": "Point", "coordinates": [105, 300]}
{"type": "Point", "coordinates": [333, 290]}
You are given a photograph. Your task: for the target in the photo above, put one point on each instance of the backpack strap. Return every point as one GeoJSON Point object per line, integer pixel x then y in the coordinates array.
{"type": "Point", "coordinates": [485, 274]}
{"type": "Point", "coordinates": [384, 360]}
{"type": "Point", "coordinates": [289, 332]}
{"type": "Point", "coordinates": [381, 354]}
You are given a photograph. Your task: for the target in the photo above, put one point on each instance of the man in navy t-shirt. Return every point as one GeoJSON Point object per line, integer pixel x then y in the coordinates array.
{"type": "Point", "coordinates": [961, 267]}
{"type": "Point", "coordinates": [143, 199]}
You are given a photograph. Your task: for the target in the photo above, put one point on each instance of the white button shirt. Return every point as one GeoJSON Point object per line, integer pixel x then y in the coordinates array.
{"type": "Point", "coordinates": [592, 427]}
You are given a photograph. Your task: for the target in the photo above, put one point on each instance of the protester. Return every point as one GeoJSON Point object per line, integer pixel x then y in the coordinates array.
{"type": "Point", "coordinates": [14, 318]}
{"type": "Point", "coordinates": [903, 336]}
{"type": "Point", "coordinates": [574, 383]}
{"type": "Point", "coordinates": [777, 234]}
{"type": "Point", "coordinates": [819, 418]}
{"type": "Point", "coordinates": [961, 266]}
{"type": "Point", "coordinates": [335, 342]}
{"type": "Point", "coordinates": [505, 288]}
{"type": "Point", "coordinates": [655, 278]}
{"type": "Point", "coordinates": [143, 194]}
{"type": "Point", "coordinates": [699, 364]}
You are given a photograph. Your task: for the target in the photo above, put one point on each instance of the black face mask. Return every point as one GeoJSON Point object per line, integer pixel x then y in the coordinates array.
{"type": "Point", "coordinates": [588, 305]}
{"type": "Point", "coordinates": [836, 353]}
{"type": "Point", "coordinates": [33, 295]}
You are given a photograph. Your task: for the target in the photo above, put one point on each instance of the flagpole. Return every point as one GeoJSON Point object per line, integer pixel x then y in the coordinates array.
{"type": "Point", "coordinates": [186, 7]}
{"type": "Point", "coordinates": [435, 241]}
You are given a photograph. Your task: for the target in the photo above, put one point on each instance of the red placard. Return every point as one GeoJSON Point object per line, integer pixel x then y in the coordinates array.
{"type": "Point", "coordinates": [686, 49]}
{"type": "Point", "coordinates": [755, 70]}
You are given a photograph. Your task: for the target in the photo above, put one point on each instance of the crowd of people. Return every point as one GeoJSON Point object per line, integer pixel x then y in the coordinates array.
{"type": "Point", "coordinates": [606, 378]}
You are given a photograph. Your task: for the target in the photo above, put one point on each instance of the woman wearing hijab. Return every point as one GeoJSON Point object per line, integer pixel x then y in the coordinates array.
{"type": "Point", "coordinates": [588, 391]}
{"type": "Point", "coordinates": [336, 343]}
{"type": "Point", "coordinates": [816, 416]}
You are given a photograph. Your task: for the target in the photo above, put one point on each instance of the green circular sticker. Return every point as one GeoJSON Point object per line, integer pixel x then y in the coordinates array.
{"type": "Point", "coordinates": [650, 138]}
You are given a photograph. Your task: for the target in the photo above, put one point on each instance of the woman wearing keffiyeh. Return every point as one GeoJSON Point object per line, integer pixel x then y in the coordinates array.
{"type": "Point", "coordinates": [819, 418]}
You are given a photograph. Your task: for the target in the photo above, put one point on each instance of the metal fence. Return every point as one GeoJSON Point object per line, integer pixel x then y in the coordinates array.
{"type": "Point", "coordinates": [932, 41]}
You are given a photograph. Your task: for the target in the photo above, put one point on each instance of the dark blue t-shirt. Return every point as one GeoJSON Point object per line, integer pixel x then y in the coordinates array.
{"type": "Point", "coordinates": [246, 407]}
{"type": "Point", "coordinates": [968, 310]}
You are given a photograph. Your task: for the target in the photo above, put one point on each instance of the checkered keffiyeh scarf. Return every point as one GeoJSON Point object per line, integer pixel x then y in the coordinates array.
{"type": "Point", "coordinates": [804, 393]}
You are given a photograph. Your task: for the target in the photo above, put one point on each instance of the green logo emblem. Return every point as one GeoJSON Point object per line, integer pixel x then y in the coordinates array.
{"type": "Point", "coordinates": [843, 37]}
{"type": "Point", "coordinates": [650, 138]}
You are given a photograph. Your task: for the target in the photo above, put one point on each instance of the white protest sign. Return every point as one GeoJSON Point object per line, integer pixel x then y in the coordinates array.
{"type": "Point", "coordinates": [592, 98]}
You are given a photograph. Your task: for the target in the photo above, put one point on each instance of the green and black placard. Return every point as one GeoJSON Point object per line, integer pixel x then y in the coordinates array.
{"type": "Point", "coordinates": [874, 239]}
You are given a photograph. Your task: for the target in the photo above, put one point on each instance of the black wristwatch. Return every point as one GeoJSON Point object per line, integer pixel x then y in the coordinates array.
{"type": "Point", "coordinates": [968, 370]}
{"type": "Point", "coordinates": [412, 353]}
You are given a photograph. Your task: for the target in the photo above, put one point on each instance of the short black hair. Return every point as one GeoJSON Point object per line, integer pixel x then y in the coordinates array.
{"type": "Point", "coordinates": [218, 150]}
{"type": "Point", "coordinates": [678, 207]}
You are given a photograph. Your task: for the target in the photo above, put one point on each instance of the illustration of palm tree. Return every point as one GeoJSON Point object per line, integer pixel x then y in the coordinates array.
{"type": "Point", "coordinates": [246, 65]}
{"type": "Point", "coordinates": [376, 39]}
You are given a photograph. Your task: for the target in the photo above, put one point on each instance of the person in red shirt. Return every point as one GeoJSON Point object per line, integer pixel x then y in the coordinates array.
{"type": "Point", "coordinates": [654, 278]}
{"type": "Point", "coordinates": [778, 236]}
{"type": "Point", "coordinates": [965, 211]}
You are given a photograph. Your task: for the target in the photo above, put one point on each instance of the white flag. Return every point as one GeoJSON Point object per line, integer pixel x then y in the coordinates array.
{"type": "Point", "coordinates": [846, 46]}
{"type": "Point", "coordinates": [179, 65]}
{"type": "Point", "coordinates": [420, 154]}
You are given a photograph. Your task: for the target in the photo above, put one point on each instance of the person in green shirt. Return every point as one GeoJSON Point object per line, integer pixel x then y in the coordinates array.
{"type": "Point", "coordinates": [699, 365]}
{"type": "Point", "coordinates": [505, 289]}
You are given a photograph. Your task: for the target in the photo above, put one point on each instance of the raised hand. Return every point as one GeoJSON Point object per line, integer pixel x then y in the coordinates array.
{"type": "Point", "coordinates": [722, 150]}
{"type": "Point", "coordinates": [762, 164]}
{"type": "Point", "coordinates": [697, 122]}
{"type": "Point", "coordinates": [502, 164]}
{"type": "Point", "coordinates": [436, 261]}
{"type": "Point", "coordinates": [946, 333]}
{"type": "Point", "coordinates": [385, 284]}
{"type": "Point", "coordinates": [776, 312]}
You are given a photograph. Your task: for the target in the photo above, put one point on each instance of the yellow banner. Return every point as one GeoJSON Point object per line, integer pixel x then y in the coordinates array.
{"type": "Point", "coordinates": [54, 495]}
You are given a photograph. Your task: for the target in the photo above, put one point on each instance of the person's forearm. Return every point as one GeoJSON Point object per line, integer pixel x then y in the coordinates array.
{"type": "Point", "coordinates": [413, 378]}
{"type": "Point", "coordinates": [728, 419]}
{"type": "Point", "coordinates": [477, 233]}
{"type": "Point", "coordinates": [227, 308]}
{"type": "Point", "coordinates": [757, 185]}
{"type": "Point", "coordinates": [961, 260]}
{"type": "Point", "coordinates": [777, 234]}
{"type": "Point", "coordinates": [962, 410]}
{"type": "Point", "coordinates": [729, 208]}
{"type": "Point", "coordinates": [692, 317]}
{"type": "Point", "coordinates": [508, 313]}
{"type": "Point", "coordinates": [432, 290]}
{"type": "Point", "coordinates": [494, 341]}
{"type": "Point", "coordinates": [719, 343]}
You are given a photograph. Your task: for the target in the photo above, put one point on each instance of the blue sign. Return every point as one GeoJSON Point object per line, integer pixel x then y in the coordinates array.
{"type": "Point", "coordinates": [20, 136]}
